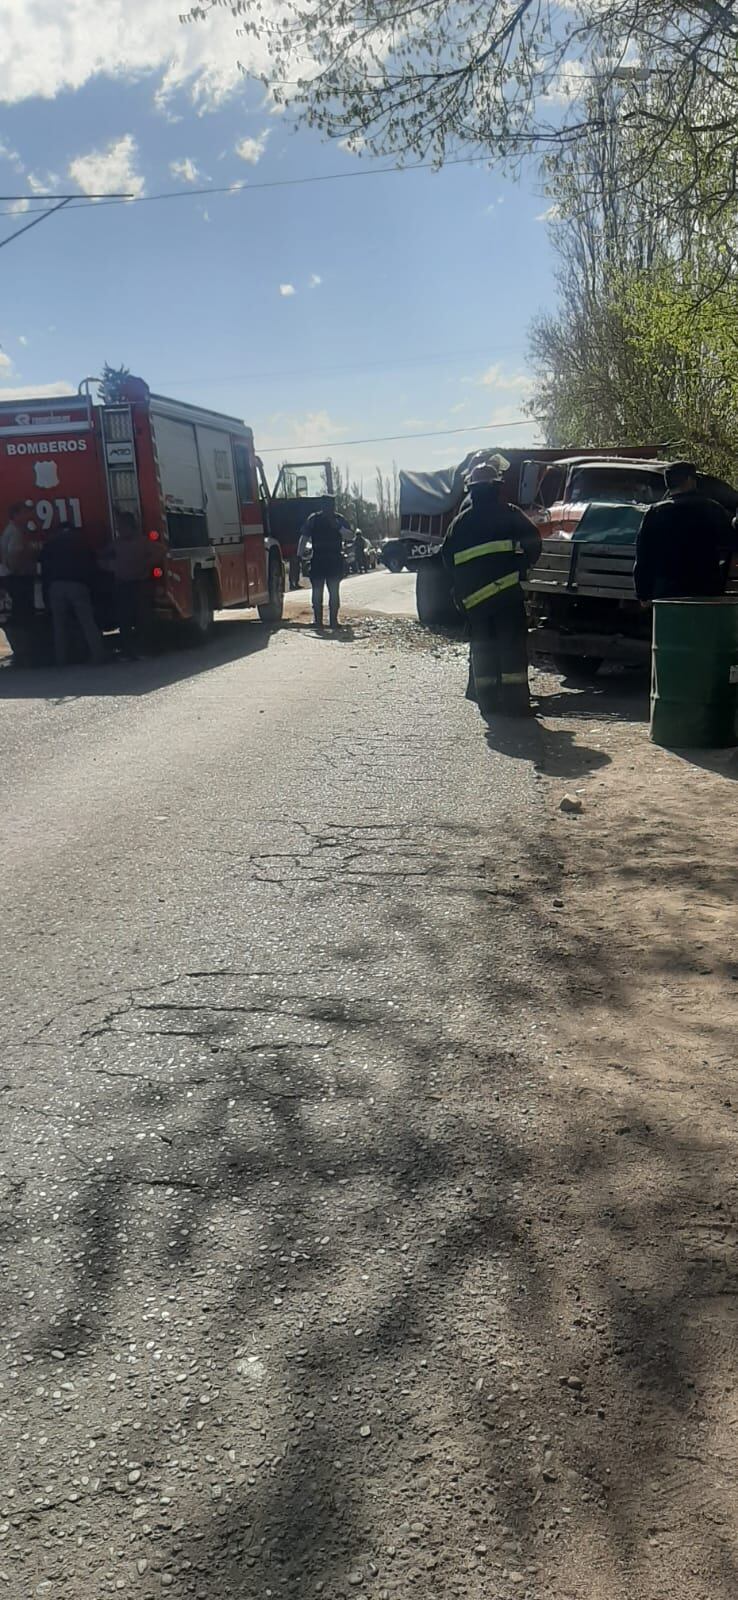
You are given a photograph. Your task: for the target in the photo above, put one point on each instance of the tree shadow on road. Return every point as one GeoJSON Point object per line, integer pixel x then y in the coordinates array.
{"type": "Point", "coordinates": [420, 1313]}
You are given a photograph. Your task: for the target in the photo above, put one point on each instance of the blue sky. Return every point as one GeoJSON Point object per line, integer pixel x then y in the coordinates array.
{"type": "Point", "coordinates": [322, 313]}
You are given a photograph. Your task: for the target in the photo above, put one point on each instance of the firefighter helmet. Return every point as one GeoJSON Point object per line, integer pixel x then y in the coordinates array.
{"type": "Point", "coordinates": [486, 467]}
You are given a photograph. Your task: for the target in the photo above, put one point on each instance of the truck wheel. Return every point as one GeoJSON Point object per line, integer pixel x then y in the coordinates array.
{"type": "Point", "coordinates": [272, 612]}
{"type": "Point", "coordinates": [200, 625]}
{"type": "Point", "coordinates": [581, 669]}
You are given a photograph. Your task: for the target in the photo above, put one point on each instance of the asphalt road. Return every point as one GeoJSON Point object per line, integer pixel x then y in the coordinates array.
{"type": "Point", "coordinates": [383, 593]}
{"type": "Point", "coordinates": [265, 970]}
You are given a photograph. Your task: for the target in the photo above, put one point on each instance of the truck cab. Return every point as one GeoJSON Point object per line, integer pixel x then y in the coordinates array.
{"type": "Point", "coordinates": [565, 488]}
{"type": "Point", "coordinates": [581, 597]}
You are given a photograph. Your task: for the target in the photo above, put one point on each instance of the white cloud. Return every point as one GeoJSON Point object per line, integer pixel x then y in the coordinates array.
{"type": "Point", "coordinates": [354, 143]}
{"type": "Point", "coordinates": [553, 214]}
{"type": "Point", "coordinates": [38, 391]}
{"type": "Point", "coordinates": [252, 150]}
{"type": "Point", "coordinates": [185, 170]}
{"type": "Point", "coordinates": [314, 428]}
{"type": "Point", "coordinates": [22, 339]}
{"type": "Point", "coordinates": [18, 205]}
{"type": "Point", "coordinates": [568, 84]}
{"type": "Point", "coordinates": [50, 183]}
{"type": "Point", "coordinates": [46, 48]}
{"type": "Point", "coordinates": [10, 155]}
{"type": "Point", "coordinates": [495, 377]}
{"type": "Point", "coordinates": [111, 170]}
{"type": "Point", "coordinates": [315, 280]}
{"type": "Point", "coordinates": [6, 364]}
{"type": "Point", "coordinates": [286, 289]}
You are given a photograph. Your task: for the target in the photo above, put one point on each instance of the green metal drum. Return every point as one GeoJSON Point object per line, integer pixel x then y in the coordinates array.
{"type": "Point", "coordinates": [694, 694]}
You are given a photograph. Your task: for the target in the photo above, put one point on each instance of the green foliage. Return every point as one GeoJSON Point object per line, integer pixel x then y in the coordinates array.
{"type": "Point", "coordinates": [110, 387]}
{"type": "Point", "coordinates": [642, 347]}
{"type": "Point", "coordinates": [652, 361]}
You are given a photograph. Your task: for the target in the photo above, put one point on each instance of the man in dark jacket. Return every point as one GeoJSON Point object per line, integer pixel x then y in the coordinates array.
{"type": "Point", "coordinates": [324, 531]}
{"type": "Point", "coordinates": [488, 549]}
{"type": "Point", "coordinates": [684, 544]}
{"type": "Point", "coordinates": [68, 574]}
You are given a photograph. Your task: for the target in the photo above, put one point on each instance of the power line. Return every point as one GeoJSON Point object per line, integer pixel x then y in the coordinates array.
{"type": "Point", "coordinates": [251, 188]}
{"type": "Point", "coordinates": [110, 194]}
{"type": "Point", "coordinates": [62, 200]}
{"type": "Point", "coordinates": [394, 438]}
{"type": "Point", "coordinates": [28, 225]}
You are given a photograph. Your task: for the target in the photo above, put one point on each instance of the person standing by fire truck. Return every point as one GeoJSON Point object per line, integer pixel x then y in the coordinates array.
{"type": "Point", "coordinates": [488, 550]}
{"type": "Point", "coordinates": [18, 565]}
{"type": "Point", "coordinates": [324, 532]}
{"type": "Point", "coordinates": [68, 575]}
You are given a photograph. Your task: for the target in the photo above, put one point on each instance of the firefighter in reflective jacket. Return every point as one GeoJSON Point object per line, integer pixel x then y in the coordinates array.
{"type": "Point", "coordinates": [488, 550]}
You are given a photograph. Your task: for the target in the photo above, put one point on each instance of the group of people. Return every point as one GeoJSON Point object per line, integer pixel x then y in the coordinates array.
{"type": "Point", "coordinates": [683, 550]}
{"type": "Point", "coordinates": [71, 578]}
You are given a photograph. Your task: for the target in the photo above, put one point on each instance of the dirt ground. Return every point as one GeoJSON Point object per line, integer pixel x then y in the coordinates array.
{"type": "Point", "coordinates": [635, 1194]}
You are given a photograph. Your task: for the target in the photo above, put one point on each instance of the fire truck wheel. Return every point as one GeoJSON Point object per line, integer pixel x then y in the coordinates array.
{"type": "Point", "coordinates": [272, 612]}
{"type": "Point", "coordinates": [200, 625]}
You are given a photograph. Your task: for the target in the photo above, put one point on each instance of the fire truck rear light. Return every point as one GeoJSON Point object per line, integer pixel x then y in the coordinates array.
{"type": "Point", "coordinates": [154, 536]}
{"type": "Point", "coordinates": [157, 572]}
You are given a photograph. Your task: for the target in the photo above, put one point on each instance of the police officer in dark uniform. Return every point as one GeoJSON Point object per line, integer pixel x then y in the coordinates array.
{"type": "Point", "coordinates": [684, 544]}
{"type": "Point", "coordinates": [488, 550]}
{"type": "Point", "coordinates": [324, 530]}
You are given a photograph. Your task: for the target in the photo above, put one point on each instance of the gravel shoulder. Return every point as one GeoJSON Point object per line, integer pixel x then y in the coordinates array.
{"type": "Point", "coordinates": [636, 1203]}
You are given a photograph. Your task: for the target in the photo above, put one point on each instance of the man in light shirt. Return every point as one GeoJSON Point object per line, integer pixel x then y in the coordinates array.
{"type": "Point", "coordinates": [18, 564]}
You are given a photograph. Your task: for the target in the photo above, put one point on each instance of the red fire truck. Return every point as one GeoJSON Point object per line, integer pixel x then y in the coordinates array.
{"type": "Point", "coordinates": [190, 478]}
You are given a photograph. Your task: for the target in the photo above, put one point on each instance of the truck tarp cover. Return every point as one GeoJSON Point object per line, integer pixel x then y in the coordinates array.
{"type": "Point", "coordinates": [431, 494]}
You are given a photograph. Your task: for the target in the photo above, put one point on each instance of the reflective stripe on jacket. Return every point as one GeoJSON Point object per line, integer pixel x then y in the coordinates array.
{"type": "Point", "coordinates": [489, 590]}
{"type": "Point", "coordinates": [488, 547]}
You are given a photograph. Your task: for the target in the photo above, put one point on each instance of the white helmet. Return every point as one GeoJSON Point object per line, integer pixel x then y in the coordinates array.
{"type": "Point", "coordinates": [486, 467]}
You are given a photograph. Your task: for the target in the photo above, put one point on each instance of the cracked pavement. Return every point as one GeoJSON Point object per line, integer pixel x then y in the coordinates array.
{"type": "Point", "coordinates": [236, 926]}
{"type": "Point", "coordinates": [342, 1245]}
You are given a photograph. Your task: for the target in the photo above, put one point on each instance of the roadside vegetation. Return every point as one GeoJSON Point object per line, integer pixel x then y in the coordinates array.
{"type": "Point", "coordinates": [643, 343]}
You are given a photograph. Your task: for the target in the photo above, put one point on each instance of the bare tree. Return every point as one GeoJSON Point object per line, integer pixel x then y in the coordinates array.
{"type": "Point", "coordinates": [504, 78]}
{"type": "Point", "coordinates": [382, 506]}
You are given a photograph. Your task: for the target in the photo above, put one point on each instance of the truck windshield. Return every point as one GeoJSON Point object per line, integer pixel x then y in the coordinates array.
{"type": "Point", "coordinates": [303, 480]}
{"type": "Point", "coordinates": [613, 486]}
